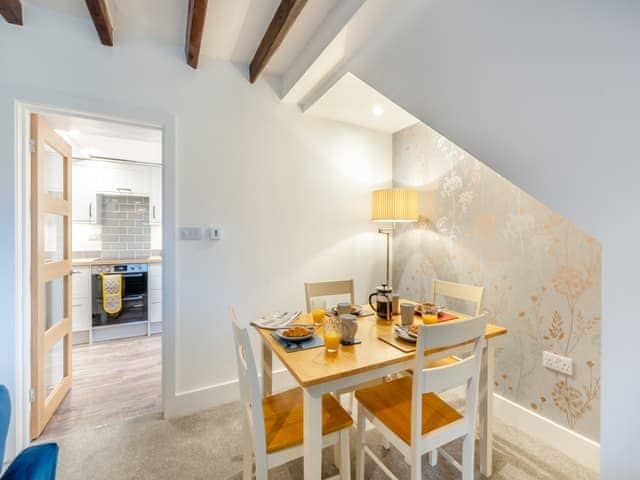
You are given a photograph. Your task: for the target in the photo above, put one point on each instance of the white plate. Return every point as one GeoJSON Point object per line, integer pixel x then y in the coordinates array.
{"type": "Point", "coordinates": [403, 333]}
{"type": "Point", "coordinates": [357, 311]}
{"type": "Point", "coordinates": [294, 339]}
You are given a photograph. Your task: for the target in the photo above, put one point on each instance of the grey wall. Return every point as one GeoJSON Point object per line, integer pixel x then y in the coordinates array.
{"type": "Point", "coordinates": [545, 93]}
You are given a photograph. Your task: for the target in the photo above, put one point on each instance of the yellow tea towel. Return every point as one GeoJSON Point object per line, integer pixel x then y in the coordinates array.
{"type": "Point", "coordinates": [111, 293]}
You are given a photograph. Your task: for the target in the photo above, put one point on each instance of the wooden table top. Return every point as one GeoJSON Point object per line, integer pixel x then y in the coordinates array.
{"type": "Point", "coordinates": [314, 366]}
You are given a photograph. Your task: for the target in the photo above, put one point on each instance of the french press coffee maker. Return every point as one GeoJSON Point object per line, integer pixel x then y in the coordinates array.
{"type": "Point", "coordinates": [383, 305]}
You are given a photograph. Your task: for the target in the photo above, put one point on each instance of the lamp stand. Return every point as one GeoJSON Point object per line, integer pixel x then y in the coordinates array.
{"type": "Point", "coordinates": [388, 231]}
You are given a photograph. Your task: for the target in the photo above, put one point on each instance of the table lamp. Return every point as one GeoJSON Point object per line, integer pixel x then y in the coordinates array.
{"type": "Point", "coordinates": [393, 205]}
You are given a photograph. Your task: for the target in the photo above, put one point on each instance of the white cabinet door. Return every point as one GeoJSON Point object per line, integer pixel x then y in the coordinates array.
{"type": "Point", "coordinates": [155, 292]}
{"type": "Point", "coordinates": [123, 178]}
{"type": "Point", "coordinates": [81, 282]}
{"type": "Point", "coordinates": [83, 195]}
{"type": "Point", "coordinates": [81, 299]}
{"type": "Point", "coordinates": [155, 214]}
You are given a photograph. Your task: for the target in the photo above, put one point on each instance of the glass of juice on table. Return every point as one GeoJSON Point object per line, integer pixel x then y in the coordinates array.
{"type": "Point", "coordinates": [331, 333]}
{"type": "Point", "coordinates": [429, 313]}
{"type": "Point", "coordinates": [318, 310]}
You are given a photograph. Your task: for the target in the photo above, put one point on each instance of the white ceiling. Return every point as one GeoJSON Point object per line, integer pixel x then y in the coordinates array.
{"type": "Point", "coordinates": [232, 32]}
{"type": "Point", "coordinates": [97, 138]}
{"type": "Point", "coordinates": [350, 100]}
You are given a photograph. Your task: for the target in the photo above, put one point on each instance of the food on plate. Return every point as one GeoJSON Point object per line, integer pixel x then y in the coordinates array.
{"type": "Point", "coordinates": [296, 332]}
{"type": "Point", "coordinates": [413, 330]}
{"type": "Point", "coordinates": [354, 308]}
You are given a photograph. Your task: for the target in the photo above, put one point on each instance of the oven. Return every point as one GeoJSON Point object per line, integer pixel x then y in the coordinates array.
{"type": "Point", "coordinates": [135, 303]}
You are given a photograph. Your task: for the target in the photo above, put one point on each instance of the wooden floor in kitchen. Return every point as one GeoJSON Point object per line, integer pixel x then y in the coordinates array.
{"type": "Point", "coordinates": [112, 381]}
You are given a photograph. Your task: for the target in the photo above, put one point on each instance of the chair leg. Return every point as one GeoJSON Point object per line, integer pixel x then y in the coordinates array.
{"type": "Point", "coordinates": [345, 457]}
{"type": "Point", "coordinates": [468, 445]}
{"type": "Point", "coordinates": [433, 457]}
{"type": "Point", "coordinates": [360, 439]}
{"type": "Point", "coordinates": [416, 464]}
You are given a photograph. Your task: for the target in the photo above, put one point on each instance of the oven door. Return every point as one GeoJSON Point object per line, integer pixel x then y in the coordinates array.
{"type": "Point", "coordinates": [134, 301]}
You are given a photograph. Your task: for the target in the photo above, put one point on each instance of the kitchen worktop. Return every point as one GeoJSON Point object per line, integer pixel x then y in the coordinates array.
{"type": "Point", "coordinates": [113, 261]}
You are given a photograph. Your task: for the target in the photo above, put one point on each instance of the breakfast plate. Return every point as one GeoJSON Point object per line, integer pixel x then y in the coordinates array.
{"type": "Point", "coordinates": [295, 333]}
{"type": "Point", "coordinates": [403, 333]}
{"type": "Point", "coordinates": [355, 310]}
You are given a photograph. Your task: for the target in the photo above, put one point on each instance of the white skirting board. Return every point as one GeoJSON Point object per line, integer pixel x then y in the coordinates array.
{"type": "Point", "coordinates": [582, 449]}
{"type": "Point", "coordinates": [194, 401]}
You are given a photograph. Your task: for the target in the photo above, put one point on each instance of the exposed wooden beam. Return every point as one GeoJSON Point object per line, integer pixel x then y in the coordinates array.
{"type": "Point", "coordinates": [282, 21]}
{"type": "Point", "coordinates": [11, 10]}
{"type": "Point", "coordinates": [101, 20]}
{"type": "Point", "coordinates": [195, 27]}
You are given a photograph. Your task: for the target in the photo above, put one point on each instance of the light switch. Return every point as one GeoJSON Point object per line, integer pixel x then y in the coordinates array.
{"type": "Point", "coordinates": [215, 232]}
{"type": "Point", "coordinates": [190, 233]}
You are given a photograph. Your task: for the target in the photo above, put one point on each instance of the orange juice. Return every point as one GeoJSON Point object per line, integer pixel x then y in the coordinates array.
{"type": "Point", "coordinates": [428, 318]}
{"type": "Point", "coordinates": [331, 341]}
{"type": "Point", "coordinates": [318, 316]}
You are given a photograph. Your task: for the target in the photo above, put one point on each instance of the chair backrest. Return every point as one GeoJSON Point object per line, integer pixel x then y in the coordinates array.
{"type": "Point", "coordinates": [5, 419]}
{"type": "Point", "coordinates": [465, 371]}
{"type": "Point", "coordinates": [470, 293]}
{"type": "Point", "coordinates": [325, 289]}
{"type": "Point", "coordinates": [250, 396]}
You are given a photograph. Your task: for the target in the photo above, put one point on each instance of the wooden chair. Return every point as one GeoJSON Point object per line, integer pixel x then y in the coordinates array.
{"type": "Point", "coordinates": [274, 424]}
{"type": "Point", "coordinates": [325, 289]}
{"type": "Point", "coordinates": [432, 422]}
{"type": "Point", "coordinates": [460, 291]}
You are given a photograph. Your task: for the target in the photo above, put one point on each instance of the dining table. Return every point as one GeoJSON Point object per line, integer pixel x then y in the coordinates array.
{"type": "Point", "coordinates": [318, 372]}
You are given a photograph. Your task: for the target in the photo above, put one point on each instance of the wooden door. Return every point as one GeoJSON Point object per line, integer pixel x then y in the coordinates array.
{"type": "Point", "coordinates": [50, 272]}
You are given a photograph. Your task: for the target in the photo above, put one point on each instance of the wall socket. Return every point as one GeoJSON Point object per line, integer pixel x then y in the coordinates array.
{"type": "Point", "coordinates": [190, 233]}
{"type": "Point", "coordinates": [556, 362]}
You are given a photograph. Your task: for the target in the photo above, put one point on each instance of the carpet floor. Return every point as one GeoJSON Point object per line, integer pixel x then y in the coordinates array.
{"type": "Point", "coordinates": [208, 446]}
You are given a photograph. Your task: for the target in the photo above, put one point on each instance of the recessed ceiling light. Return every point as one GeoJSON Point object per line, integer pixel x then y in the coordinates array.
{"type": "Point", "coordinates": [377, 110]}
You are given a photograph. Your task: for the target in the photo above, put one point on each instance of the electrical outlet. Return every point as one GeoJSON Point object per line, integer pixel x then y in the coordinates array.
{"type": "Point", "coordinates": [556, 362]}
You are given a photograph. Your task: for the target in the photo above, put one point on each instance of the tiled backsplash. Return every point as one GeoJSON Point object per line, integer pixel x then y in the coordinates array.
{"type": "Point", "coordinates": [125, 227]}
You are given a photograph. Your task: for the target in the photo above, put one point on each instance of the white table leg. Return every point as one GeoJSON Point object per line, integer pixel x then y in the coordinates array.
{"type": "Point", "coordinates": [487, 377]}
{"type": "Point", "coordinates": [312, 412]}
{"type": "Point", "coordinates": [267, 370]}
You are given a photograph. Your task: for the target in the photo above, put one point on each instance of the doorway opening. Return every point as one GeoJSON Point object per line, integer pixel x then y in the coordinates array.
{"type": "Point", "coordinates": [96, 272]}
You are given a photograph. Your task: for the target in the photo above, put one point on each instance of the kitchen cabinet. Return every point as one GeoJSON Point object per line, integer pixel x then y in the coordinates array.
{"type": "Point", "coordinates": [81, 304]}
{"type": "Point", "coordinates": [122, 178]}
{"type": "Point", "coordinates": [155, 298]}
{"type": "Point", "coordinates": [155, 199]}
{"type": "Point", "coordinates": [83, 195]}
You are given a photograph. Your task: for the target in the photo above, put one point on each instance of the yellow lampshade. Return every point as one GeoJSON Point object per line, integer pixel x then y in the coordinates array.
{"type": "Point", "coordinates": [394, 205]}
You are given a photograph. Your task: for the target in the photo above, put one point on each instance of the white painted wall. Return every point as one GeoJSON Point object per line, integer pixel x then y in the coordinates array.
{"type": "Point", "coordinates": [547, 94]}
{"type": "Point", "coordinates": [291, 192]}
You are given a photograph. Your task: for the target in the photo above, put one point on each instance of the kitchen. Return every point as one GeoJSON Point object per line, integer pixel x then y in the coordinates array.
{"type": "Point", "coordinates": [116, 190]}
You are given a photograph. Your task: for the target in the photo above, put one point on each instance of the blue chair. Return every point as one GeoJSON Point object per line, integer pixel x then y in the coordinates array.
{"type": "Point", "coordinates": [34, 463]}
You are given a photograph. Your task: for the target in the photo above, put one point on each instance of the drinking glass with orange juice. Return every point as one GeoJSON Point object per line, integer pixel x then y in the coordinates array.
{"type": "Point", "coordinates": [318, 310]}
{"type": "Point", "coordinates": [429, 313]}
{"type": "Point", "coordinates": [331, 332]}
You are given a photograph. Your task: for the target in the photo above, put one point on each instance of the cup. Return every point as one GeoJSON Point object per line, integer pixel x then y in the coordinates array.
{"type": "Point", "coordinates": [429, 313]}
{"type": "Point", "coordinates": [331, 333]}
{"type": "Point", "coordinates": [318, 310]}
{"type": "Point", "coordinates": [348, 328]}
{"type": "Point", "coordinates": [343, 307]}
{"type": "Point", "coordinates": [407, 311]}
{"type": "Point", "coordinates": [395, 304]}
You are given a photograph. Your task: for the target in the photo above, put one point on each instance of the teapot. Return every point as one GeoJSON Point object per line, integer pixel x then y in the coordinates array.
{"type": "Point", "coordinates": [384, 301]}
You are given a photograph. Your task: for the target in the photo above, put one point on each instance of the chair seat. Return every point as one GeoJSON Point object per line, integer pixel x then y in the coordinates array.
{"type": "Point", "coordinates": [283, 419]}
{"type": "Point", "coordinates": [391, 403]}
{"type": "Point", "coordinates": [34, 463]}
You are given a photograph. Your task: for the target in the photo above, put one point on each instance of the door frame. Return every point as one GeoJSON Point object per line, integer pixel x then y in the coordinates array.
{"type": "Point", "coordinates": [103, 111]}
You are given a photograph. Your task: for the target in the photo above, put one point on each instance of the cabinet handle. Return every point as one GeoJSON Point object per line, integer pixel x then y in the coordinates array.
{"type": "Point", "coordinates": [90, 210]}
{"type": "Point", "coordinates": [123, 189]}
{"type": "Point", "coordinates": [74, 272]}
{"type": "Point", "coordinates": [154, 212]}
{"type": "Point", "coordinates": [77, 305]}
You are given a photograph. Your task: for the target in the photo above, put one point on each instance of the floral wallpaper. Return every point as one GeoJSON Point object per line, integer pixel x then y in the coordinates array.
{"type": "Point", "coordinates": [540, 272]}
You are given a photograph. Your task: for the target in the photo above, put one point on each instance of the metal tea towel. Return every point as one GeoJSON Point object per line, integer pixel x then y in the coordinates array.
{"type": "Point", "coordinates": [111, 293]}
